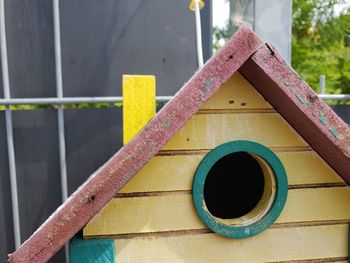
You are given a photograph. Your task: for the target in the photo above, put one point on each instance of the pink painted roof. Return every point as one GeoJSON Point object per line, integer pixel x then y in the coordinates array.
{"type": "Point", "coordinates": [264, 68]}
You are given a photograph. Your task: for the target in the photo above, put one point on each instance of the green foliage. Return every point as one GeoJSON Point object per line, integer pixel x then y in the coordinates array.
{"type": "Point", "coordinates": [321, 43]}
{"type": "Point", "coordinates": [65, 106]}
{"type": "Point", "coordinates": [220, 35]}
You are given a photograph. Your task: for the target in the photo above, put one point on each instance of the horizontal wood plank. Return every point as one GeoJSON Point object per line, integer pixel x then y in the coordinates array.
{"type": "Point", "coordinates": [172, 173]}
{"type": "Point", "coordinates": [273, 245]}
{"type": "Point", "coordinates": [207, 131]}
{"type": "Point", "coordinates": [176, 212]}
{"type": "Point", "coordinates": [236, 93]}
{"type": "Point", "coordinates": [316, 260]}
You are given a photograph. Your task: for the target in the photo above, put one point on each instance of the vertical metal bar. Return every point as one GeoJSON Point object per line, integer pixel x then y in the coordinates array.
{"type": "Point", "coordinates": [198, 34]}
{"type": "Point", "coordinates": [60, 113]}
{"type": "Point", "coordinates": [9, 128]}
{"type": "Point", "coordinates": [322, 84]}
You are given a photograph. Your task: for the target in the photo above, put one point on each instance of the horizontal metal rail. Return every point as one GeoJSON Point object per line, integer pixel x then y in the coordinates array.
{"type": "Point", "coordinates": [69, 100]}
{"type": "Point", "coordinates": [94, 100]}
{"type": "Point", "coordinates": [334, 96]}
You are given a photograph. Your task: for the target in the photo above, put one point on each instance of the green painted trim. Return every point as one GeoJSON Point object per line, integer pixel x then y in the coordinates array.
{"type": "Point", "coordinates": [92, 251]}
{"type": "Point", "coordinates": [207, 163]}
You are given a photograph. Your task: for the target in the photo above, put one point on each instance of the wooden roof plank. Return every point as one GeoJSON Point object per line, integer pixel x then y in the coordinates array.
{"type": "Point", "coordinates": [309, 115]}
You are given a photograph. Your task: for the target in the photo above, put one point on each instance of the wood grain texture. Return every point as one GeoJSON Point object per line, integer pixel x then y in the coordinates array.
{"type": "Point", "coordinates": [171, 173]}
{"type": "Point", "coordinates": [270, 246]}
{"type": "Point", "coordinates": [176, 212]}
{"type": "Point", "coordinates": [316, 260]}
{"type": "Point", "coordinates": [139, 103]}
{"type": "Point", "coordinates": [238, 94]}
{"type": "Point", "coordinates": [206, 131]}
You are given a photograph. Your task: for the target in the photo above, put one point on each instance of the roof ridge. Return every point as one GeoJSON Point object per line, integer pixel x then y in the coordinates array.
{"type": "Point", "coordinates": [90, 198]}
{"type": "Point", "coordinates": [265, 69]}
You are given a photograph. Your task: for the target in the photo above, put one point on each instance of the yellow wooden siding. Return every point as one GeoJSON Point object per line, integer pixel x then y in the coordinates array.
{"type": "Point", "coordinates": [206, 131]}
{"type": "Point", "coordinates": [236, 94]}
{"type": "Point", "coordinates": [153, 217]}
{"type": "Point", "coordinates": [173, 212]}
{"type": "Point", "coordinates": [280, 244]}
{"type": "Point", "coordinates": [169, 173]}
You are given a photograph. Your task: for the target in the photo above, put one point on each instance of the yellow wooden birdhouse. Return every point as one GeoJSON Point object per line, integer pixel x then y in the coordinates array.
{"type": "Point", "coordinates": [244, 164]}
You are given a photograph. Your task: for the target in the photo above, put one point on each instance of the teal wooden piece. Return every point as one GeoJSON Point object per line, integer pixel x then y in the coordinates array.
{"type": "Point", "coordinates": [92, 251]}
{"type": "Point", "coordinates": [280, 197]}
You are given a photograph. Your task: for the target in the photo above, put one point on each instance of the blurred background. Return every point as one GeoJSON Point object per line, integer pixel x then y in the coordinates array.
{"type": "Point", "coordinates": [313, 35]}
{"type": "Point", "coordinates": [81, 48]}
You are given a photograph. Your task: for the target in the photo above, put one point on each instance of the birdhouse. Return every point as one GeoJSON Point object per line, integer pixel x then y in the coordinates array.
{"type": "Point", "coordinates": [244, 164]}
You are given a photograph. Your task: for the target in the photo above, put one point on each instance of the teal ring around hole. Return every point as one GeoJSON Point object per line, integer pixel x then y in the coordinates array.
{"type": "Point", "coordinates": [278, 203]}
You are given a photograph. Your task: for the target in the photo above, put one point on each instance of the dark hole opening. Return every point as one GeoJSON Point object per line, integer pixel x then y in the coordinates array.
{"type": "Point", "coordinates": [233, 186]}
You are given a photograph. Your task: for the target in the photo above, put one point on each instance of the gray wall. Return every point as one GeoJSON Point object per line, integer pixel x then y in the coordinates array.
{"type": "Point", "coordinates": [145, 37]}
{"type": "Point", "coordinates": [343, 111]}
{"type": "Point", "coordinates": [101, 40]}
{"type": "Point", "coordinates": [30, 48]}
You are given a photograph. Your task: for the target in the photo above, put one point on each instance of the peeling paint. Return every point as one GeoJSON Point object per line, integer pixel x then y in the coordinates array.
{"type": "Point", "coordinates": [323, 119]}
{"type": "Point", "coordinates": [308, 103]}
{"type": "Point", "coordinates": [287, 83]}
{"type": "Point", "coordinates": [209, 83]}
{"type": "Point", "coordinates": [334, 133]}
{"type": "Point", "coordinates": [167, 121]}
{"type": "Point", "coordinates": [301, 100]}
{"type": "Point", "coordinates": [259, 224]}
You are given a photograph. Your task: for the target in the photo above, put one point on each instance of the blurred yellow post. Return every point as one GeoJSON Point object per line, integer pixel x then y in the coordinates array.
{"type": "Point", "coordinates": [139, 103]}
{"type": "Point", "coordinates": [192, 5]}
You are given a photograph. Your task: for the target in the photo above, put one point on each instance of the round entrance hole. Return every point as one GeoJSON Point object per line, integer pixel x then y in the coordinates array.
{"type": "Point", "coordinates": [239, 189]}
{"type": "Point", "coordinates": [234, 186]}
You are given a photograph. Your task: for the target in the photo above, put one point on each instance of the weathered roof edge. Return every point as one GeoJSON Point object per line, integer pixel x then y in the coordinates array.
{"type": "Point", "coordinates": [309, 115]}
{"type": "Point", "coordinates": [90, 198]}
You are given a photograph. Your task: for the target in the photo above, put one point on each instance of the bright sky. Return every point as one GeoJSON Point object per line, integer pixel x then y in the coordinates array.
{"type": "Point", "coordinates": [221, 11]}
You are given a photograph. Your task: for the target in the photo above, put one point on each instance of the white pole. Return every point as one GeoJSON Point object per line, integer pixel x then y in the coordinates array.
{"type": "Point", "coordinates": [322, 85]}
{"type": "Point", "coordinates": [198, 34]}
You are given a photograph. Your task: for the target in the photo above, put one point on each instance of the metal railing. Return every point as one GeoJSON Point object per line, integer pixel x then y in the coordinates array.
{"type": "Point", "coordinates": [322, 90]}
{"type": "Point", "coordinates": [334, 96]}
{"type": "Point", "coordinates": [69, 100]}
{"type": "Point", "coordinates": [113, 99]}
